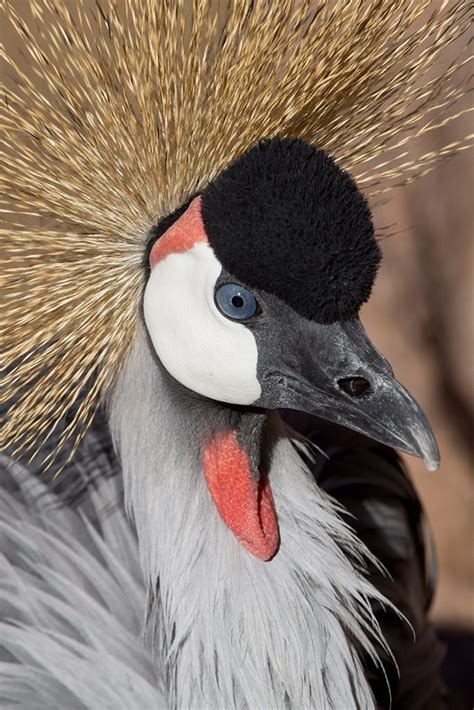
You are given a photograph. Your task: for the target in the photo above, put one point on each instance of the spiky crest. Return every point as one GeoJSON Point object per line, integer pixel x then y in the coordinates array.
{"type": "Point", "coordinates": [119, 111]}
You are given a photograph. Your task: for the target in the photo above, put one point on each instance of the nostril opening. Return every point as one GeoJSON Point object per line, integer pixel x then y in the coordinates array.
{"type": "Point", "coordinates": [354, 386]}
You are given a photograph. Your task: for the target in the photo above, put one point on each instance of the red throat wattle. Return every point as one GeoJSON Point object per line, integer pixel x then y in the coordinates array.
{"type": "Point", "coordinates": [244, 502]}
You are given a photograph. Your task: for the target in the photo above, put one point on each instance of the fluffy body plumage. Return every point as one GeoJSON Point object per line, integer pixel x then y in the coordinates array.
{"type": "Point", "coordinates": [72, 601]}
{"type": "Point", "coordinates": [364, 477]}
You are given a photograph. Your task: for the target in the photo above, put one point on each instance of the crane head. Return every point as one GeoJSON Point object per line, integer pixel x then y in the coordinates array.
{"type": "Point", "coordinates": [254, 290]}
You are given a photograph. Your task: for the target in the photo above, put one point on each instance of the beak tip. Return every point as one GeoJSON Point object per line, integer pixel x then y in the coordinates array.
{"type": "Point", "coordinates": [431, 464]}
{"type": "Point", "coordinates": [430, 453]}
{"type": "Point", "coordinates": [423, 439]}
{"type": "Point", "coordinates": [424, 446]}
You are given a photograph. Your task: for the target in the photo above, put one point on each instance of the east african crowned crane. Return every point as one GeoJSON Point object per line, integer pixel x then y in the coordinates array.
{"type": "Point", "coordinates": [250, 305]}
{"type": "Point", "coordinates": [256, 590]}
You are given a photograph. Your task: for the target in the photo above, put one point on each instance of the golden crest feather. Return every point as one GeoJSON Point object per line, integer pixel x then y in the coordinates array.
{"type": "Point", "coordinates": [118, 111]}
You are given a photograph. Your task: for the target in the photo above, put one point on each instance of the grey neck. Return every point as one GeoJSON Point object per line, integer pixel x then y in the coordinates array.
{"type": "Point", "coordinates": [231, 631]}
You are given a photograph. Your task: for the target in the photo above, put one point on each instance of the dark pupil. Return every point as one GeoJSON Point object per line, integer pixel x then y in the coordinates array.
{"type": "Point", "coordinates": [354, 386]}
{"type": "Point", "coordinates": [237, 301]}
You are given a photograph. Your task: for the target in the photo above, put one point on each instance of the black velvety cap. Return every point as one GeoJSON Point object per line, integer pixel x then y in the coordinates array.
{"type": "Point", "coordinates": [286, 219]}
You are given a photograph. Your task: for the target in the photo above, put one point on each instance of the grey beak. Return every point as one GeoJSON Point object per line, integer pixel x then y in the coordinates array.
{"type": "Point", "coordinates": [335, 372]}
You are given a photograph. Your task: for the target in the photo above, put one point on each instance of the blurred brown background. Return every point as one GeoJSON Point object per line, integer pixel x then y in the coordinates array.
{"type": "Point", "coordinates": [421, 317]}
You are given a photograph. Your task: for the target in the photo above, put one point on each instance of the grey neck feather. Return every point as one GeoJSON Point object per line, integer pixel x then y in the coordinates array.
{"type": "Point", "coordinates": [231, 631]}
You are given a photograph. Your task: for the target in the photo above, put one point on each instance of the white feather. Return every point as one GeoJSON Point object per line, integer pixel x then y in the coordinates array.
{"type": "Point", "coordinates": [227, 631]}
{"type": "Point", "coordinates": [231, 631]}
{"type": "Point", "coordinates": [202, 349]}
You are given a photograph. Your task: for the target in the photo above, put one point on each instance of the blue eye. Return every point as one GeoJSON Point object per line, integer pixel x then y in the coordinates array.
{"type": "Point", "coordinates": [236, 302]}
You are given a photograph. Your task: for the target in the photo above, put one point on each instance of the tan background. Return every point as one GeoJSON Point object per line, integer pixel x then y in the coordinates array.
{"type": "Point", "coordinates": [421, 317]}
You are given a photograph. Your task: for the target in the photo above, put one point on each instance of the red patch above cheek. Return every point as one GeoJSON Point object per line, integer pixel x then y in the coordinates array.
{"type": "Point", "coordinates": [245, 504]}
{"type": "Point", "coordinates": [187, 231]}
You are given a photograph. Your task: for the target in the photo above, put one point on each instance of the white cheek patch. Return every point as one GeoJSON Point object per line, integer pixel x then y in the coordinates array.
{"type": "Point", "coordinates": [201, 348]}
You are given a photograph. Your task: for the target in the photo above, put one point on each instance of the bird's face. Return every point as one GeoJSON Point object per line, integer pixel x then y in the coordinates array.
{"type": "Point", "coordinates": [199, 321]}
{"type": "Point", "coordinates": [253, 294]}
{"type": "Point", "coordinates": [231, 343]}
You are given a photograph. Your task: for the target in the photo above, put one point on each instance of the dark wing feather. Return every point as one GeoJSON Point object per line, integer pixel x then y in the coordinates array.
{"type": "Point", "coordinates": [369, 480]}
